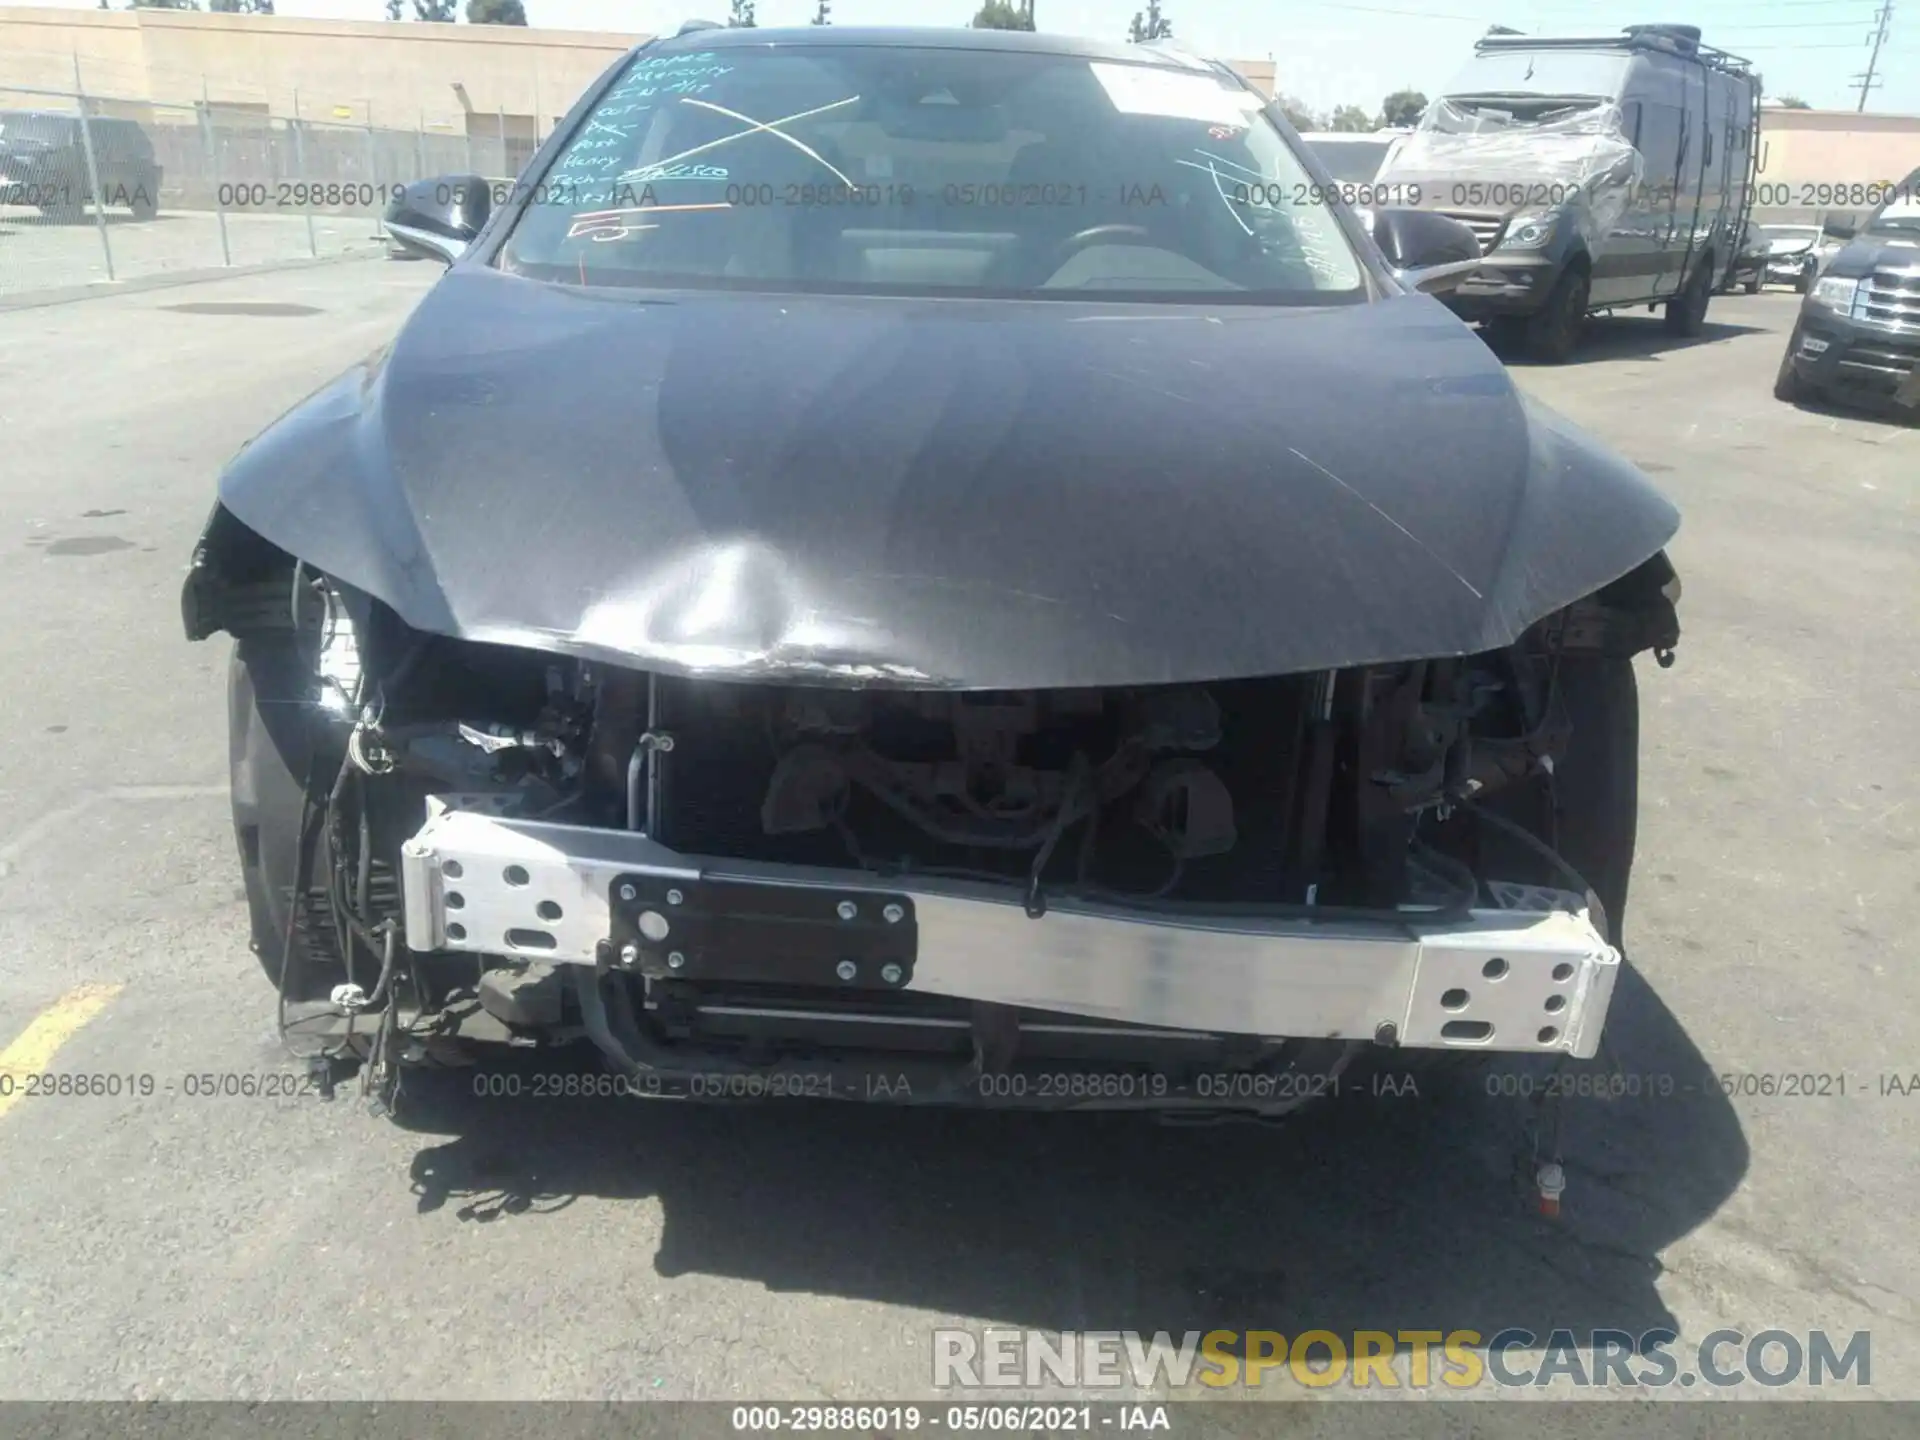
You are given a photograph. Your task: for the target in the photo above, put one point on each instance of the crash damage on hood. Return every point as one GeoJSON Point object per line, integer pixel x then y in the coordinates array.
{"type": "Point", "coordinates": [960, 495]}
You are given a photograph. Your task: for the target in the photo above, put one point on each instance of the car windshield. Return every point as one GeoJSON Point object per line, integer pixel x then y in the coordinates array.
{"type": "Point", "coordinates": [1473, 114]}
{"type": "Point", "coordinates": [931, 170]}
{"type": "Point", "coordinates": [1542, 74]}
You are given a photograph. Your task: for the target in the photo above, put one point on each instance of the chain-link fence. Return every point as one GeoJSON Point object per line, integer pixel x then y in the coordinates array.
{"type": "Point", "coordinates": [95, 188]}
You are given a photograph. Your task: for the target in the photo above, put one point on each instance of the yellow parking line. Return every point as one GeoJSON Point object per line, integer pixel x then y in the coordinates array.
{"type": "Point", "coordinates": [33, 1050]}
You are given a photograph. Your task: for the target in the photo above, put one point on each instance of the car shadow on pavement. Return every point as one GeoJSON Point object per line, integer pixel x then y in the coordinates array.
{"type": "Point", "coordinates": [1882, 409]}
{"type": "Point", "coordinates": [1371, 1212]}
{"type": "Point", "coordinates": [1621, 337]}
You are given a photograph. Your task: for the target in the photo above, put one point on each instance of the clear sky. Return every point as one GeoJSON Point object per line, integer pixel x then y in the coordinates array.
{"type": "Point", "coordinates": [1331, 52]}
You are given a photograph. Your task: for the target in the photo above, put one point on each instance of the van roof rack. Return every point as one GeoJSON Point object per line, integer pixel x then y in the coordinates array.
{"type": "Point", "coordinates": [1680, 40]}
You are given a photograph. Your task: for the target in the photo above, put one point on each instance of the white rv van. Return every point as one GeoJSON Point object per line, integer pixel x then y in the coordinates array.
{"type": "Point", "coordinates": [1598, 172]}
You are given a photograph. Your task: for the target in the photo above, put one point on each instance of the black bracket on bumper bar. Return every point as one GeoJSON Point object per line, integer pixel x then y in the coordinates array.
{"type": "Point", "coordinates": [772, 934]}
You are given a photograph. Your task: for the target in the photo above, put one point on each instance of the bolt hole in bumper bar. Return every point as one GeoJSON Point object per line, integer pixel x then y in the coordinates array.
{"type": "Point", "coordinates": [1530, 974]}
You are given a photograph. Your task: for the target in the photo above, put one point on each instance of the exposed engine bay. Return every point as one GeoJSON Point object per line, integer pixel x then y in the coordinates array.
{"type": "Point", "coordinates": [719, 876]}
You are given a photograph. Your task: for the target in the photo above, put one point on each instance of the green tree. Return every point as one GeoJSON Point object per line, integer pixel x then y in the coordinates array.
{"type": "Point", "coordinates": [241, 7]}
{"type": "Point", "coordinates": [1004, 15]}
{"type": "Point", "coordinates": [1793, 102]}
{"type": "Point", "coordinates": [742, 16]}
{"type": "Point", "coordinates": [164, 5]}
{"type": "Point", "coordinates": [1350, 118]}
{"type": "Point", "coordinates": [439, 11]}
{"type": "Point", "coordinates": [1297, 112]}
{"type": "Point", "coordinates": [822, 16]}
{"type": "Point", "coordinates": [1403, 107]}
{"type": "Point", "coordinates": [1151, 25]}
{"type": "Point", "coordinates": [394, 7]}
{"type": "Point", "coordinates": [496, 12]}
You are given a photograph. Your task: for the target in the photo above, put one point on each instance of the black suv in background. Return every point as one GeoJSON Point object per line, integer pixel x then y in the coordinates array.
{"type": "Point", "coordinates": [1748, 269]}
{"type": "Point", "coordinates": [43, 163]}
{"type": "Point", "coordinates": [1859, 327]}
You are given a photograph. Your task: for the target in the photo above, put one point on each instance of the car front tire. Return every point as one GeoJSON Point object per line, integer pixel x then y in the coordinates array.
{"type": "Point", "coordinates": [1787, 384]}
{"type": "Point", "coordinates": [1553, 333]}
{"type": "Point", "coordinates": [272, 747]}
{"type": "Point", "coordinates": [1687, 311]}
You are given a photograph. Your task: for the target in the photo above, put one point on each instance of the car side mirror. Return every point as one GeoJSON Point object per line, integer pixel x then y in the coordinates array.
{"type": "Point", "coordinates": [1839, 227]}
{"type": "Point", "coordinates": [439, 217]}
{"type": "Point", "coordinates": [1429, 251]}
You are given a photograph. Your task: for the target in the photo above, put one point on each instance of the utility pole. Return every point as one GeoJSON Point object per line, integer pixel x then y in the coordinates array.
{"type": "Point", "coordinates": [1881, 19]}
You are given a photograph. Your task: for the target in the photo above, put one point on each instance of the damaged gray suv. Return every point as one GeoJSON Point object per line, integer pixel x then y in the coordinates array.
{"type": "Point", "coordinates": [945, 565]}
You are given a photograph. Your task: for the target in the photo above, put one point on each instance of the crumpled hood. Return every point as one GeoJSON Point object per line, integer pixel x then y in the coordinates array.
{"type": "Point", "coordinates": [954, 493]}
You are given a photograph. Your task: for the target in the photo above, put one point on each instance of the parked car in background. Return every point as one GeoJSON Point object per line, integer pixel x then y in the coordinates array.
{"type": "Point", "coordinates": [1859, 327]}
{"type": "Point", "coordinates": [1353, 156]}
{"type": "Point", "coordinates": [43, 163]}
{"type": "Point", "coordinates": [1598, 171]}
{"type": "Point", "coordinates": [1749, 268]}
{"type": "Point", "coordinates": [1793, 254]}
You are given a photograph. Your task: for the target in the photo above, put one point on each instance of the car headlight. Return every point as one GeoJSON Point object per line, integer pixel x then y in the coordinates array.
{"type": "Point", "coordinates": [1527, 232]}
{"type": "Point", "coordinates": [1834, 292]}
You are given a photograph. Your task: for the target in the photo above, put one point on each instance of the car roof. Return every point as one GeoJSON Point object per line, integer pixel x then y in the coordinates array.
{"type": "Point", "coordinates": [926, 38]}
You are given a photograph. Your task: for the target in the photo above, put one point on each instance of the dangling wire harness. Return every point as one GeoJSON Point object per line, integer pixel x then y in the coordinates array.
{"type": "Point", "coordinates": [348, 890]}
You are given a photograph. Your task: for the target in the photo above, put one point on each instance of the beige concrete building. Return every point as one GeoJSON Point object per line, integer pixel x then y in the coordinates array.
{"type": "Point", "coordinates": [1808, 149]}
{"type": "Point", "coordinates": [507, 84]}
{"type": "Point", "coordinates": [397, 75]}
{"type": "Point", "coordinates": [393, 75]}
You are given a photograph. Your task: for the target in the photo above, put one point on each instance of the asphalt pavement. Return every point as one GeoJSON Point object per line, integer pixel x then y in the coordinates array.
{"type": "Point", "coordinates": [42, 253]}
{"type": "Point", "coordinates": [181, 1244]}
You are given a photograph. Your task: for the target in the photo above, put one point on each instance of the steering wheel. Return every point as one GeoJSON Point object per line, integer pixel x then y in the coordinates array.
{"type": "Point", "coordinates": [1100, 235]}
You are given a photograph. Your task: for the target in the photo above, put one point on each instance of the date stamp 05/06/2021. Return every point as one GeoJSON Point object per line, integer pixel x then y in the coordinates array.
{"type": "Point", "coordinates": [879, 1083]}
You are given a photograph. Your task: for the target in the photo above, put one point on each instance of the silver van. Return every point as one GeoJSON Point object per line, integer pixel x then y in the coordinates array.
{"type": "Point", "coordinates": [1598, 172]}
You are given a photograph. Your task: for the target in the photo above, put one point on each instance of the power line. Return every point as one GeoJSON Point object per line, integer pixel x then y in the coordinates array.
{"type": "Point", "coordinates": [1408, 14]}
{"type": "Point", "coordinates": [1585, 5]}
{"type": "Point", "coordinates": [1738, 28]}
{"type": "Point", "coordinates": [1882, 18]}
